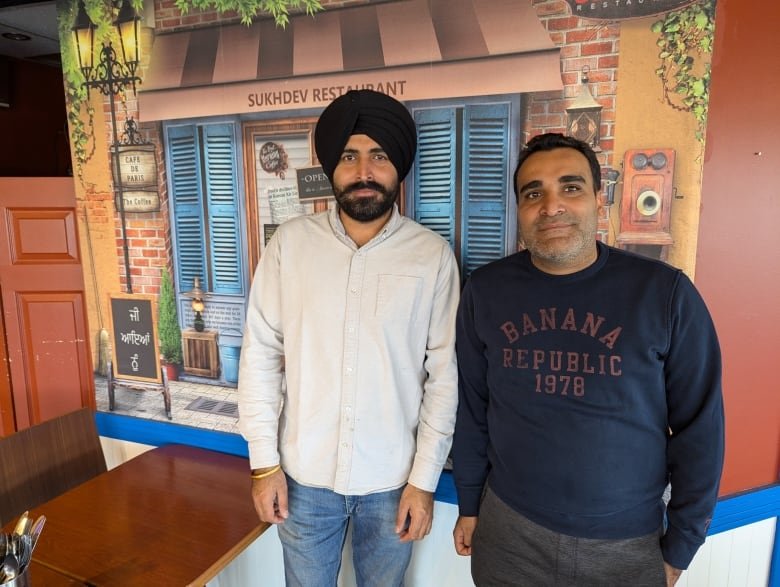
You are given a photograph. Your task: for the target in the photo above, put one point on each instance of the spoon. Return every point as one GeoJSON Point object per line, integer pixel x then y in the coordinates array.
{"type": "Point", "coordinates": [10, 568]}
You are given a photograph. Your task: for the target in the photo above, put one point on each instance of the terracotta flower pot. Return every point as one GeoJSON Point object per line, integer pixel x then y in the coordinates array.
{"type": "Point", "coordinates": [171, 371]}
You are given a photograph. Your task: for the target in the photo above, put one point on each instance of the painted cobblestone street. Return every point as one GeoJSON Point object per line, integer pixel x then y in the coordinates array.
{"type": "Point", "coordinates": [192, 404]}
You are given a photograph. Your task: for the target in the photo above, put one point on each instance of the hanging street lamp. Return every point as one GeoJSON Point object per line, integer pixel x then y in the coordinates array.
{"type": "Point", "coordinates": [111, 76]}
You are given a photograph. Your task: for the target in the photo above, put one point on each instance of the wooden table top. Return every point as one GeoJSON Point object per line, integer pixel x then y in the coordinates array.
{"type": "Point", "coordinates": [41, 576]}
{"type": "Point", "coordinates": [175, 515]}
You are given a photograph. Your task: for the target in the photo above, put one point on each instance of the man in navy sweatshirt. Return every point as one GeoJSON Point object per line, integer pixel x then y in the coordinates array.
{"type": "Point", "coordinates": [590, 380]}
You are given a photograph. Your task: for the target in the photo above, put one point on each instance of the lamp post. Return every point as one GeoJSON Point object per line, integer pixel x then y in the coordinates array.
{"type": "Point", "coordinates": [198, 304]}
{"type": "Point", "coordinates": [111, 76]}
{"type": "Point", "coordinates": [584, 115]}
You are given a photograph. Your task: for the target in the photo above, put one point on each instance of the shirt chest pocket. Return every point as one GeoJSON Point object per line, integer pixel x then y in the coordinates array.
{"type": "Point", "coordinates": [398, 296]}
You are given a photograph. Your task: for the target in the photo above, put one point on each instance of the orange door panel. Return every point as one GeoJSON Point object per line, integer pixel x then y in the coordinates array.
{"type": "Point", "coordinates": [44, 315]}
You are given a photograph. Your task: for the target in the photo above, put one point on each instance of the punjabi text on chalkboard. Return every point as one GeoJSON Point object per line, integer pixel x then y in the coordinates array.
{"type": "Point", "coordinates": [135, 349]}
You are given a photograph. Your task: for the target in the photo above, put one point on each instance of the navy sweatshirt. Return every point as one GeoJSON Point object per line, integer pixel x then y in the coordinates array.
{"type": "Point", "coordinates": [583, 395]}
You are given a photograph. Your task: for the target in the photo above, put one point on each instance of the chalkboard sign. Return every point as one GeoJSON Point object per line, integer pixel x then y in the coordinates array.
{"type": "Point", "coordinates": [134, 336]}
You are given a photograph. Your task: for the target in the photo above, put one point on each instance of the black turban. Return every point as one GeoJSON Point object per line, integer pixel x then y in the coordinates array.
{"type": "Point", "coordinates": [369, 113]}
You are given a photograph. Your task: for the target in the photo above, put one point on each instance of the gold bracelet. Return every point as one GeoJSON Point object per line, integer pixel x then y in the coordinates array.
{"type": "Point", "coordinates": [267, 473]}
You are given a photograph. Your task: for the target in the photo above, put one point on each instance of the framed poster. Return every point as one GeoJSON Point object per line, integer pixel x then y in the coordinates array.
{"type": "Point", "coordinates": [275, 152]}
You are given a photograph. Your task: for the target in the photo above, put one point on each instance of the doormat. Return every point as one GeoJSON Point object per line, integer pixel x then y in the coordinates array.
{"type": "Point", "coordinates": [212, 406]}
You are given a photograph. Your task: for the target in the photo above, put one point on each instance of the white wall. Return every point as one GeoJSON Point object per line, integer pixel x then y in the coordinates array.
{"type": "Point", "coordinates": [119, 451]}
{"type": "Point", "coordinates": [738, 558]}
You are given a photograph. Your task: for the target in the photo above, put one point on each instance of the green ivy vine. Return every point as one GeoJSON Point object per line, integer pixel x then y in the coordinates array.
{"type": "Point", "coordinates": [102, 14]}
{"type": "Point", "coordinates": [249, 9]}
{"type": "Point", "coordinates": [686, 35]}
{"type": "Point", "coordinates": [77, 97]}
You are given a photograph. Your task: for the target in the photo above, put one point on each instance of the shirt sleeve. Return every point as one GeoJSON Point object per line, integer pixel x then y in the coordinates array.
{"type": "Point", "coordinates": [470, 458]}
{"type": "Point", "coordinates": [695, 411]}
{"type": "Point", "coordinates": [440, 390]}
{"type": "Point", "coordinates": [260, 376]}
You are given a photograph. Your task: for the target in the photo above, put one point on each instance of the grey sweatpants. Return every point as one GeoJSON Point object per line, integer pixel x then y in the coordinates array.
{"type": "Point", "coordinates": [509, 549]}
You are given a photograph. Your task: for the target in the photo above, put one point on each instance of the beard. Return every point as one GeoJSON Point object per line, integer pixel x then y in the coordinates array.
{"type": "Point", "coordinates": [561, 251]}
{"type": "Point", "coordinates": [366, 209]}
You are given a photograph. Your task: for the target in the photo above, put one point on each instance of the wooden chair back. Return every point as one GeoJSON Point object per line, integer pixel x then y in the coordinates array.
{"type": "Point", "coordinates": [45, 460]}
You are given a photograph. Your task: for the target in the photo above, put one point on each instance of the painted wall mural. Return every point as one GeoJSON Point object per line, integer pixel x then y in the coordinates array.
{"type": "Point", "coordinates": [214, 149]}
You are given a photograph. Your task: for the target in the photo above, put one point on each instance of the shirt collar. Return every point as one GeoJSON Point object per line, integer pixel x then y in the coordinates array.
{"type": "Point", "coordinates": [392, 225]}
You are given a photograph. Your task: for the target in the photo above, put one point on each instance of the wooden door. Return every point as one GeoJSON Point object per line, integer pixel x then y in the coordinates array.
{"type": "Point", "coordinates": [46, 353]}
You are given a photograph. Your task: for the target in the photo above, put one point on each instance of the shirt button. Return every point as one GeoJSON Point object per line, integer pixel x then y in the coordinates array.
{"type": "Point", "coordinates": [349, 369]}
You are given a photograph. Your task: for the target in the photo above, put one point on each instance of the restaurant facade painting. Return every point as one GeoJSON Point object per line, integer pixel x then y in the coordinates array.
{"type": "Point", "coordinates": [226, 112]}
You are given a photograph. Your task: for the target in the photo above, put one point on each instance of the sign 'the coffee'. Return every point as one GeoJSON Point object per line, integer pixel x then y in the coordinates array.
{"type": "Point", "coordinates": [138, 173]}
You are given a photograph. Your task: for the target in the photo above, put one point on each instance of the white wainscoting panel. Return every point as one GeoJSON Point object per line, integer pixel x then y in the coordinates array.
{"type": "Point", "coordinates": [737, 558]}
{"type": "Point", "coordinates": [119, 451]}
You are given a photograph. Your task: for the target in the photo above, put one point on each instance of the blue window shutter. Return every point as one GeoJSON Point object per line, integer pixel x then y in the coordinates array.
{"type": "Point", "coordinates": [435, 177]}
{"type": "Point", "coordinates": [485, 179]}
{"type": "Point", "coordinates": [186, 197]}
{"type": "Point", "coordinates": [222, 201]}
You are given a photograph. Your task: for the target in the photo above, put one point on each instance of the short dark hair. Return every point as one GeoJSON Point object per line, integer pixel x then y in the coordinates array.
{"type": "Point", "coordinates": [554, 140]}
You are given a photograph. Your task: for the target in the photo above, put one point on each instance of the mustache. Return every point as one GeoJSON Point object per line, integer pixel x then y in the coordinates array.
{"type": "Point", "coordinates": [565, 218]}
{"type": "Point", "coordinates": [363, 185]}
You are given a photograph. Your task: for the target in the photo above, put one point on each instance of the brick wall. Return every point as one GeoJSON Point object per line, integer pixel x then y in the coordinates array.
{"type": "Point", "coordinates": [147, 233]}
{"type": "Point", "coordinates": [583, 42]}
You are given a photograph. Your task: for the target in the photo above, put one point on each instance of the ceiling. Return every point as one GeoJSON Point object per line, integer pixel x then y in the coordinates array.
{"type": "Point", "coordinates": [36, 20]}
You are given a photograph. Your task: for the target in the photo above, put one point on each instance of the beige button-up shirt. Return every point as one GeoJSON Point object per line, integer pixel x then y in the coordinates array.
{"type": "Point", "coordinates": [347, 374]}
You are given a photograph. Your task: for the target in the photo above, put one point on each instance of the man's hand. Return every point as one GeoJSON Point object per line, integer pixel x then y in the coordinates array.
{"type": "Point", "coordinates": [462, 534]}
{"type": "Point", "coordinates": [416, 508]}
{"type": "Point", "coordinates": [269, 495]}
{"type": "Point", "coordinates": [672, 574]}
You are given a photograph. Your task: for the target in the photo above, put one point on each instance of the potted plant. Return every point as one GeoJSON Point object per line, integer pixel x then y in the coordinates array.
{"type": "Point", "coordinates": [169, 330]}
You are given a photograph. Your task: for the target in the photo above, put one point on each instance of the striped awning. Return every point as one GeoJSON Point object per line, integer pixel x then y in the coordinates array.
{"type": "Point", "coordinates": [411, 49]}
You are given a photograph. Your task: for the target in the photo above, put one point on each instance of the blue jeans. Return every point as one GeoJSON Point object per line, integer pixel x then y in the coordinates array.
{"type": "Point", "coordinates": [314, 533]}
